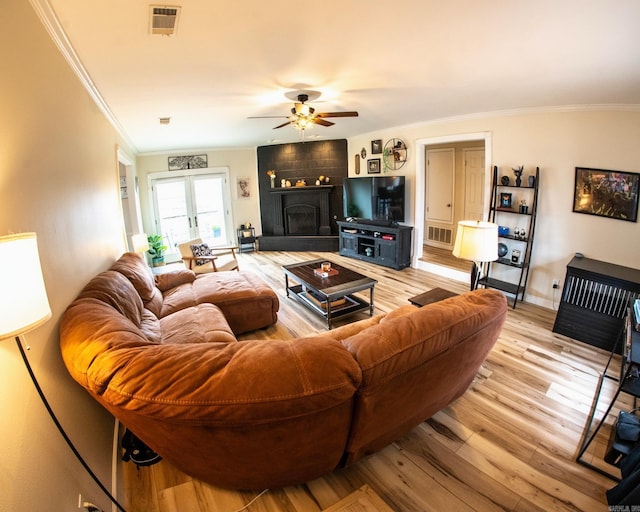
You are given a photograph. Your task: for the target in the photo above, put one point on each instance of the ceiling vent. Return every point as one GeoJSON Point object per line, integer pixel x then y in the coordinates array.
{"type": "Point", "coordinates": [163, 20]}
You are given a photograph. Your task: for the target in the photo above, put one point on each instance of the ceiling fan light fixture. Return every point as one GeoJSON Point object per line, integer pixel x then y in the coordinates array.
{"type": "Point", "coordinates": [302, 123]}
{"type": "Point", "coordinates": [302, 109]}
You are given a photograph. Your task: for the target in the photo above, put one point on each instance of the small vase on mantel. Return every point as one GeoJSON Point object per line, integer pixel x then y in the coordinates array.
{"type": "Point", "coordinates": [273, 181]}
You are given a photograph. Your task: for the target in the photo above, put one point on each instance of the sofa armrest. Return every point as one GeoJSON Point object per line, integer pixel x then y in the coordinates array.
{"type": "Point", "coordinates": [170, 280]}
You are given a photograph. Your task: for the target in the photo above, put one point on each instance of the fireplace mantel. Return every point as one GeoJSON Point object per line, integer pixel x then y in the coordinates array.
{"type": "Point", "coordinates": [306, 188]}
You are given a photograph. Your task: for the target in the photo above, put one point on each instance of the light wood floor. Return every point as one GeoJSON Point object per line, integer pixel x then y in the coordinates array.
{"type": "Point", "coordinates": [443, 257]}
{"type": "Point", "coordinates": [509, 443]}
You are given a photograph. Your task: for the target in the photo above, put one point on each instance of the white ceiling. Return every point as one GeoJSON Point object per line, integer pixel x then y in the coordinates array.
{"type": "Point", "coordinates": [396, 63]}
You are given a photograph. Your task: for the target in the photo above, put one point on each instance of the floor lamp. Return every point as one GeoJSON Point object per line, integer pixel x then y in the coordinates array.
{"type": "Point", "coordinates": [25, 306]}
{"type": "Point", "coordinates": [476, 241]}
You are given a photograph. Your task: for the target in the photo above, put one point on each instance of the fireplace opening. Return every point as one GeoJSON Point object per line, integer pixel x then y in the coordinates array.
{"type": "Point", "coordinates": [301, 219]}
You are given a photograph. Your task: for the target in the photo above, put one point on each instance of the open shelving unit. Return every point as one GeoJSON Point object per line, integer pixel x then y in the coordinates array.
{"type": "Point", "coordinates": [510, 272]}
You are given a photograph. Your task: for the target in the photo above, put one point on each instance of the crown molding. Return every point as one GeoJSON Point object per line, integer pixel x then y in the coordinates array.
{"type": "Point", "coordinates": [51, 23]}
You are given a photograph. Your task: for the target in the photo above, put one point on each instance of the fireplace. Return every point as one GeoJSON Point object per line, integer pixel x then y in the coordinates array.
{"type": "Point", "coordinates": [301, 219]}
{"type": "Point", "coordinates": [305, 209]}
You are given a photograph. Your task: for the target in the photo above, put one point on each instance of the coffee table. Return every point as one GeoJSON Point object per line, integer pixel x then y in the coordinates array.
{"type": "Point", "coordinates": [332, 296]}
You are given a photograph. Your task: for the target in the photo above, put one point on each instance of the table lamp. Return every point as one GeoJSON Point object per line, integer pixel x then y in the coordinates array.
{"type": "Point", "coordinates": [140, 243]}
{"type": "Point", "coordinates": [476, 241]}
{"type": "Point", "coordinates": [25, 306]}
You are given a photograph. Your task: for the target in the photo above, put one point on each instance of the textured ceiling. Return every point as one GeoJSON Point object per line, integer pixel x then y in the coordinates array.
{"type": "Point", "coordinates": [396, 63]}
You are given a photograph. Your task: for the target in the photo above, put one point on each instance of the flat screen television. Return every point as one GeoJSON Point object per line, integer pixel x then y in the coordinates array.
{"type": "Point", "coordinates": [379, 199]}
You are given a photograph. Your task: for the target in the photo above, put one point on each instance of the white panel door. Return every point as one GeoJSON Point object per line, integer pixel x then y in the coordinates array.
{"type": "Point", "coordinates": [188, 207]}
{"type": "Point", "coordinates": [474, 184]}
{"type": "Point", "coordinates": [440, 183]}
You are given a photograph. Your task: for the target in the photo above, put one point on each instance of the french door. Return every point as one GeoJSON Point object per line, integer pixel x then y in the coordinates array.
{"type": "Point", "coordinates": [192, 206]}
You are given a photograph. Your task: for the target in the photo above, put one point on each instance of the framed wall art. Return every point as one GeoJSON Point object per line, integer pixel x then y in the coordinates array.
{"type": "Point", "coordinates": [505, 200]}
{"type": "Point", "coordinates": [373, 166]}
{"type": "Point", "coordinates": [243, 187]}
{"type": "Point", "coordinates": [178, 163]}
{"type": "Point", "coordinates": [612, 194]}
{"type": "Point", "coordinates": [376, 147]}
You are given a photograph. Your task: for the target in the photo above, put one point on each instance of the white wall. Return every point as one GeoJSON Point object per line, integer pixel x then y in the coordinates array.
{"type": "Point", "coordinates": [58, 177]}
{"type": "Point", "coordinates": [556, 141]}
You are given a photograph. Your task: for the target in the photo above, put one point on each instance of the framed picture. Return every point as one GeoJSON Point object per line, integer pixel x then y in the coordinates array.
{"type": "Point", "coordinates": [505, 200]}
{"type": "Point", "coordinates": [373, 166]}
{"type": "Point", "coordinates": [243, 188]}
{"type": "Point", "coordinates": [612, 194]}
{"type": "Point", "coordinates": [179, 163]}
{"type": "Point", "coordinates": [376, 147]}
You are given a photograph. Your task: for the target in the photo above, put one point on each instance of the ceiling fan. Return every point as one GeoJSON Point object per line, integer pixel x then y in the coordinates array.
{"type": "Point", "coordinates": [304, 116]}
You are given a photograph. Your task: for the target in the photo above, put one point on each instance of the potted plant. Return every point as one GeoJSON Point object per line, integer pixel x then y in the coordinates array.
{"type": "Point", "coordinates": [156, 250]}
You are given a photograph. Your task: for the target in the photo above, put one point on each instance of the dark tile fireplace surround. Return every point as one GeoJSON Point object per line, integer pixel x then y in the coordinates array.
{"type": "Point", "coordinates": [301, 218]}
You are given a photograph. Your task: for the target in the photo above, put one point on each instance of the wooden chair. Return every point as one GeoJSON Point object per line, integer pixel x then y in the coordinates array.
{"type": "Point", "coordinates": [211, 259]}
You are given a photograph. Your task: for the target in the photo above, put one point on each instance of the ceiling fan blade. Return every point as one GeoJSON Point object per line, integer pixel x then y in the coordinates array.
{"type": "Point", "coordinates": [322, 122]}
{"type": "Point", "coordinates": [337, 114]}
{"type": "Point", "coordinates": [281, 125]}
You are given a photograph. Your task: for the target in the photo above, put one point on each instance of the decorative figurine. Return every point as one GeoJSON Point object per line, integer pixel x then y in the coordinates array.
{"type": "Point", "coordinates": [518, 172]}
{"type": "Point", "coordinates": [523, 207]}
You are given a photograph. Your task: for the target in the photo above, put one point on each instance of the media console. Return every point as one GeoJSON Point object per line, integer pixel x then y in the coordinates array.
{"type": "Point", "coordinates": [387, 245]}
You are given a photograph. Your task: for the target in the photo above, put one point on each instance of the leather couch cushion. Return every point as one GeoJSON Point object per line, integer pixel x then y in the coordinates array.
{"type": "Point", "coordinates": [203, 323]}
{"type": "Point", "coordinates": [242, 383]}
{"type": "Point", "coordinates": [135, 269]}
{"type": "Point", "coordinates": [174, 278]}
{"type": "Point", "coordinates": [246, 301]}
{"type": "Point", "coordinates": [415, 364]}
{"type": "Point", "coordinates": [150, 326]}
{"type": "Point", "coordinates": [247, 415]}
{"type": "Point", "coordinates": [96, 341]}
{"type": "Point", "coordinates": [346, 331]}
{"type": "Point", "coordinates": [133, 266]}
{"type": "Point", "coordinates": [115, 290]}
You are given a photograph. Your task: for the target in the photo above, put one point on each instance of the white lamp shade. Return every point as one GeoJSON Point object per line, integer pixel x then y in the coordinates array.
{"type": "Point", "coordinates": [140, 242]}
{"type": "Point", "coordinates": [23, 298]}
{"type": "Point", "coordinates": [476, 241]}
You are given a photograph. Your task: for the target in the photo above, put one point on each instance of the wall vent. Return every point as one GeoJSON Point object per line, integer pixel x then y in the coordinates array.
{"type": "Point", "coordinates": [442, 235]}
{"type": "Point", "coordinates": [163, 20]}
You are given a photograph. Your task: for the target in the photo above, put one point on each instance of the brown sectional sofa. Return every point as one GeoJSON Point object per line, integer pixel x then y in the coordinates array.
{"type": "Point", "coordinates": [163, 358]}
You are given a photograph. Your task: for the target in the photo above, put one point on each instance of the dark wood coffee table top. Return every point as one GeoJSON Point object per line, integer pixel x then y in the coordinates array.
{"type": "Point", "coordinates": [346, 281]}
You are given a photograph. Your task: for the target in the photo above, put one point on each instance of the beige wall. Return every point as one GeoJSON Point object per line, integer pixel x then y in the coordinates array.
{"type": "Point", "coordinates": [58, 178]}
{"type": "Point", "coordinates": [556, 141]}
{"type": "Point", "coordinates": [240, 162]}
